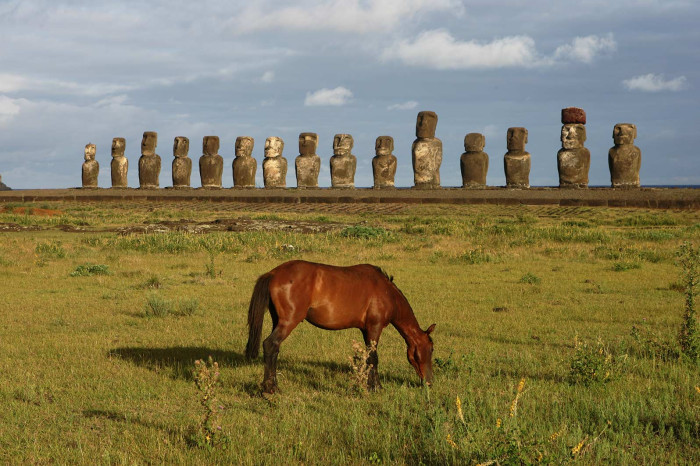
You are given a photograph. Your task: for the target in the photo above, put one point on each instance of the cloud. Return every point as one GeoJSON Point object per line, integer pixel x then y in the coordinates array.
{"type": "Point", "coordinates": [438, 49]}
{"type": "Point", "coordinates": [335, 97]}
{"type": "Point", "coordinates": [585, 49]}
{"type": "Point", "coordinates": [353, 16]}
{"type": "Point", "coordinates": [655, 83]}
{"type": "Point", "coordinates": [8, 108]}
{"type": "Point", "coordinates": [410, 105]}
{"type": "Point", "coordinates": [267, 77]}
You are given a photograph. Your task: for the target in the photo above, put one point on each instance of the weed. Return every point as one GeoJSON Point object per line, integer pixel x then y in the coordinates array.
{"type": "Point", "coordinates": [364, 232]}
{"type": "Point", "coordinates": [361, 368]}
{"type": "Point", "coordinates": [88, 270]}
{"type": "Point", "coordinates": [689, 335]}
{"type": "Point", "coordinates": [209, 432]}
{"type": "Point", "coordinates": [625, 266]}
{"type": "Point", "coordinates": [153, 283]}
{"type": "Point", "coordinates": [530, 279]}
{"type": "Point", "coordinates": [453, 367]}
{"type": "Point", "coordinates": [50, 250]}
{"type": "Point", "coordinates": [645, 220]}
{"type": "Point", "coordinates": [592, 364]}
{"type": "Point", "coordinates": [475, 256]}
{"type": "Point", "coordinates": [188, 307]}
{"type": "Point", "coordinates": [653, 346]}
{"type": "Point", "coordinates": [157, 306]}
{"type": "Point", "coordinates": [209, 267]}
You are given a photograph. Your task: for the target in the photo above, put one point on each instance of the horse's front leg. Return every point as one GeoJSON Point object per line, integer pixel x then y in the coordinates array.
{"type": "Point", "coordinates": [372, 341]}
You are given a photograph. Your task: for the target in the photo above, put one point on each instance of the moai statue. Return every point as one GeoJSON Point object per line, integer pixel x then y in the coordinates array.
{"type": "Point", "coordinates": [474, 162]}
{"type": "Point", "coordinates": [384, 163]}
{"type": "Point", "coordinates": [182, 164]}
{"type": "Point", "coordinates": [120, 164]}
{"type": "Point", "coordinates": [343, 163]}
{"type": "Point", "coordinates": [274, 165]}
{"type": "Point", "coordinates": [308, 164]}
{"type": "Point", "coordinates": [573, 160]}
{"type": "Point", "coordinates": [426, 152]}
{"type": "Point", "coordinates": [624, 159]}
{"type": "Point", "coordinates": [244, 165]}
{"type": "Point", "coordinates": [517, 161]}
{"type": "Point", "coordinates": [211, 164]}
{"type": "Point", "coordinates": [90, 167]}
{"type": "Point", "coordinates": [149, 163]}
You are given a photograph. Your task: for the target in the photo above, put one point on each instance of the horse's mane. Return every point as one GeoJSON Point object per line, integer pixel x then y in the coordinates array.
{"type": "Point", "coordinates": [383, 272]}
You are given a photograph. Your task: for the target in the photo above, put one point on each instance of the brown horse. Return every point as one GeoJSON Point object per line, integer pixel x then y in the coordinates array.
{"type": "Point", "coordinates": [334, 298]}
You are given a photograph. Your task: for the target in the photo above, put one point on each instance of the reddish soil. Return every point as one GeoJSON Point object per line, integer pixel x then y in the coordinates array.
{"type": "Point", "coordinates": [30, 211]}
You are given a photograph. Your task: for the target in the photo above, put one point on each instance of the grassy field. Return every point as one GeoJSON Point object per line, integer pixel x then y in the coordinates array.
{"type": "Point", "coordinates": [556, 339]}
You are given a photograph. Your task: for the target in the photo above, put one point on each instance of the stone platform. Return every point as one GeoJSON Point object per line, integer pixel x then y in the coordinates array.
{"type": "Point", "coordinates": [662, 198]}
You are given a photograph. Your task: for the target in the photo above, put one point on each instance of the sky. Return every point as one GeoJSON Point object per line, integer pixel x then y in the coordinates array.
{"type": "Point", "coordinates": [75, 72]}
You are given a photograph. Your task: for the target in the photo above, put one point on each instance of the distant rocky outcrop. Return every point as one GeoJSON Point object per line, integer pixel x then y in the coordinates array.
{"type": "Point", "coordinates": [3, 186]}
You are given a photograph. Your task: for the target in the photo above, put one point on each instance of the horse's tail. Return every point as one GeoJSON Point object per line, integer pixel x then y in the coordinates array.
{"type": "Point", "coordinates": [259, 302]}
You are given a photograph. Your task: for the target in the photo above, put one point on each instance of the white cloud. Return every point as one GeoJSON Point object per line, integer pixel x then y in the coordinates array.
{"type": "Point", "coordinates": [355, 16]}
{"type": "Point", "coordinates": [268, 77]}
{"type": "Point", "coordinates": [585, 49]}
{"type": "Point", "coordinates": [335, 97]}
{"type": "Point", "coordinates": [410, 105]}
{"type": "Point", "coordinates": [438, 49]}
{"type": "Point", "coordinates": [655, 83]}
{"type": "Point", "coordinates": [8, 108]}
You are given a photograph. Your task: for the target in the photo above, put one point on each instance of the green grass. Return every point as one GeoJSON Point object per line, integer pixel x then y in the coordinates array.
{"type": "Point", "coordinates": [514, 290]}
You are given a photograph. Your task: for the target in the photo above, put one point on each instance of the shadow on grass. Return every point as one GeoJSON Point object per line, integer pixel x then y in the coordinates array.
{"type": "Point", "coordinates": [178, 359]}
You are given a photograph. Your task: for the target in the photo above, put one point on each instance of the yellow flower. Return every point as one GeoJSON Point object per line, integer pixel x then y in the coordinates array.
{"type": "Point", "coordinates": [450, 441]}
{"type": "Point", "coordinates": [697, 389]}
{"type": "Point", "coordinates": [521, 385]}
{"type": "Point", "coordinates": [498, 423]}
{"type": "Point", "coordinates": [554, 436]}
{"type": "Point", "coordinates": [575, 451]}
{"type": "Point", "coordinates": [459, 410]}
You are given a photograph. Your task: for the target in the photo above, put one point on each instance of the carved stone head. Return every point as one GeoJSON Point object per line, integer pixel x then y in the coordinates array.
{"type": "Point", "coordinates": [210, 145]}
{"type": "Point", "coordinates": [90, 150]}
{"type": "Point", "coordinates": [342, 144]}
{"type": "Point", "coordinates": [118, 145]}
{"type": "Point", "coordinates": [624, 133]}
{"type": "Point", "coordinates": [426, 123]}
{"type": "Point", "coordinates": [273, 147]}
{"type": "Point", "coordinates": [308, 143]}
{"type": "Point", "coordinates": [474, 142]}
{"type": "Point", "coordinates": [573, 136]}
{"type": "Point", "coordinates": [149, 143]}
{"type": "Point", "coordinates": [517, 138]}
{"type": "Point", "coordinates": [181, 146]}
{"type": "Point", "coordinates": [384, 145]}
{"type": "Point", "coordinates": [244, 146]}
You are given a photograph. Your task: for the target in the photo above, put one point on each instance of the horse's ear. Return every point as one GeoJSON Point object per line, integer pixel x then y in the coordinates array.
{"type": "Point", "coordinates": [430, 329]}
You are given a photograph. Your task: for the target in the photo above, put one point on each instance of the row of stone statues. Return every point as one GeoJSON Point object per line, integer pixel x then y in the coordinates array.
{"type": "Point", "coordinates": [573, 160]}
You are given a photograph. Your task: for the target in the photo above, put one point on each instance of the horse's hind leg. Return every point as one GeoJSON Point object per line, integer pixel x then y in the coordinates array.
{"type": "Point", "coordinates": [271, 348]}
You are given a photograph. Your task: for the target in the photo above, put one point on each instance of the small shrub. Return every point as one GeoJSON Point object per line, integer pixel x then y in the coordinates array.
{"type": "Point", "coordinates": [646, 220]}
{"type": "Point", "coordinates": [157, 306]}
{"type": "Point", "coordinates": [592, 364]}
{"type": "Point", "coordinates": [451, 367]}
{"type": "Point", "coordinates": [651, 345]}
{"type": "Point", "coordinates": [530, 279]}
{"type": "Point", "coordinates": [153, 283]}
{"type": "Point", "coordinates": [88, 270]}
{"type": "Point", "coordinates": [210, 267]}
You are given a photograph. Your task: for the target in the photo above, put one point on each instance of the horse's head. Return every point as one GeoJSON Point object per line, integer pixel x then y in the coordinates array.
{"type": "Point", "coordinates": [420, 355]}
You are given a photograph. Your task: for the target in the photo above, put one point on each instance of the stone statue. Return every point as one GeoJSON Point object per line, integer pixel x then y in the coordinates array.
{"type": "Point", "coordinates": [573, 160]}
{"type": "Point", "coordinates": [149, 163]}
{"type": "Point", "coordinates": [182, 164]}
{"type": "Point", "coordinates": [244, 165]}
{"type": "Point", "coordinates": [624, 159]}
{"type": "Point", "coordinates": [211, 164]}
{"type": "Point", "coordinates": [90, 167]}
{"type": "Point", "coordinates": [343, 163]}
{"type": "Point", "coordinates": [516, 161]}
{"type": "Point", "coordinates": [274, 165]}
{"type": "Point", "coordinates": [120, 164]}
{"type": "Point", "coordinates": [384, 163]}
{"type": "Point", "coordinates": [308, 164]}
{"type": "Point", "coordinates": [426, 152]}
{"type": "Point", "coordinates": [474, 162]}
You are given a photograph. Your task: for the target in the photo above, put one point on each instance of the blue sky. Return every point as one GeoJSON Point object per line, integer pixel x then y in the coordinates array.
{"type": "Point", "coordinates": [74, 72]}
